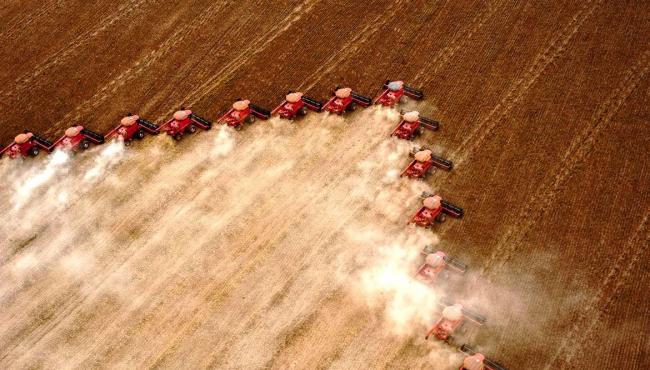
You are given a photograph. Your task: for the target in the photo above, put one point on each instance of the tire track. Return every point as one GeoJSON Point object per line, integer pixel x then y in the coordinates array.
{"type": "Point", "coordinates": [351, 46]}
{"type": "Point", "coordinates": [141, 65]}
{"type": "Point", "coordinates": [517, 90]}
{"type": "Point", "coordinates": [254, 48]}
{"type": "Point", "coordinates": [18, 25]}
{"type": "Point", "coordinates": [25, 81]}
{"type": "Point", "coordinates": [239, 270]}
{"type": "Point", "coordinates": [254, 318]}
{"type": "Point", "coordinates": [239, 273]}
{"type": "Point", "coordinates": [578, 150]}
{"type": "Point", "coordinates": [459, 41]}
{"type": "Point", "coordinates": [251, 262]}
{"type": "Point", "coordinates": [75, 306]}
{"type": "Point", "coordinates": [136, 214]}
{"type": "Point", "coordinates": [634, 251]}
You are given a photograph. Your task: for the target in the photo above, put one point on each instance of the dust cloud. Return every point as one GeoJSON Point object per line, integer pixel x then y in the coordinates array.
{"type": "Point", "coordinates": [212, 251]}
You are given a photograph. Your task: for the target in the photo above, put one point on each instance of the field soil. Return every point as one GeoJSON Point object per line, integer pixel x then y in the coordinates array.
{"type": "Point", "coordinates": [285, 245]}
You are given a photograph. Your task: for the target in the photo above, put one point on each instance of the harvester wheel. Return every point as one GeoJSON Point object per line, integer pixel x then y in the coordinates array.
{"type": "Point", "coordinates": [441, 218]}
{"type": "Point", "coordinates": [351, 107]}
{"type": "Point", "coordinates": [127, 143]}
{"type": "Point", "coordinates": [178, 136]}
{"type": "Point", "coordinates": [239, 127]}
{"type": "Point", "coordinates": [250, 119]}
{"type": "Point", "coordinates": [33, 151]}
{"type": "Point", "coordinates": [302, 111]}
{"type": "Point", "coordinates": [84, 144]}
{"type": "Point", "coordinates": [139, 134]}
{"type": "Point", "coordinates": [191, 129]}
{"type": "Point", "coordinates": [419, 131]}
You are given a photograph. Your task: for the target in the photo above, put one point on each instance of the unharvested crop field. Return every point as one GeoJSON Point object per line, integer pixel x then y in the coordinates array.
{"type": "Point", "coordinates": [285, 245]}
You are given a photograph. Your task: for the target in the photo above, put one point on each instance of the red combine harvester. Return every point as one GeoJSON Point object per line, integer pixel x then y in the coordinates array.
{"type": "Point", "coordinates": [345, 100]}
{"type": "Point", "coordinates": [413, 125]}
{"type": "Point", "coordinates": [184, 122]}
{"type": "Point", "coordinates": [78, 138]}
{"type": "Point", "coordinates": [477, 361]}
{"type": "Point", "coordinates": [243, 111]}
{"type": "Point", "coordinates": [424, 163]}
{"type": "Point", "coordinates": [297, 104]}
{"type": "Point", "coordinates": [434, 210]}
{"type": "Point", "coordinates": [27, 144]}
{"type": "Point", "coordinates": [452, 319]}
{"type": "Point", "coordinates": [436, 263]}
{"type": "Point", "coordinates": [396, 91]}
{"type": "Point", "coordinates": [133, 127]}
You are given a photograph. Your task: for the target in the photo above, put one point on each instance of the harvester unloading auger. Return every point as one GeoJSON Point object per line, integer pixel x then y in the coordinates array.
{"type": "Point", "coordinates": [411, 125]}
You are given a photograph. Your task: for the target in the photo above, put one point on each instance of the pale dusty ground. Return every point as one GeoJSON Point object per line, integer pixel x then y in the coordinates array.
{"type": "Point", "coordinates": [228, 250]}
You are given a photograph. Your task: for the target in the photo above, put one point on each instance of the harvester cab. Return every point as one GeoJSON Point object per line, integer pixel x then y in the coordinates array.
{"type": "Point", "coordinates": [133, 127]}
{"type": "Point", "coordinates": [78, 138]}
{"type": "Point", "coordinates": [184, 122]}
{"type": "Point", "coordinates": [297, 104]}
{"type": "Point", "coordinates": [477, 361]}
{"type": "Point", "coordinates": [396, 91]}
{"type": "Point", "coordinates": [452, 319]}
{"type": "Point", "coordinates": [243, 111]}
{"type": "Point", "coordinates": [434, 210]}
{"type": "Point", "coordinates": [437, 262]}
{"type": "Point", "coordinates": [345, 100]}
{"type": "Point", "coordinates": [425, 162]}
{"type": "Point", "coordinates": [412, 125]}
{"type": "Point", "coordinates": [27, 144]}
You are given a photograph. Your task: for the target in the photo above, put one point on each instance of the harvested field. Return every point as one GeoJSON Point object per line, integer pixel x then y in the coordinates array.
{"type": "Point", "coordinates": [284, 245]}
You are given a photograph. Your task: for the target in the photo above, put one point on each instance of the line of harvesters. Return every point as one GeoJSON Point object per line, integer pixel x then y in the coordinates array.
{"type": "Point", "coordinates": [436, 265]}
